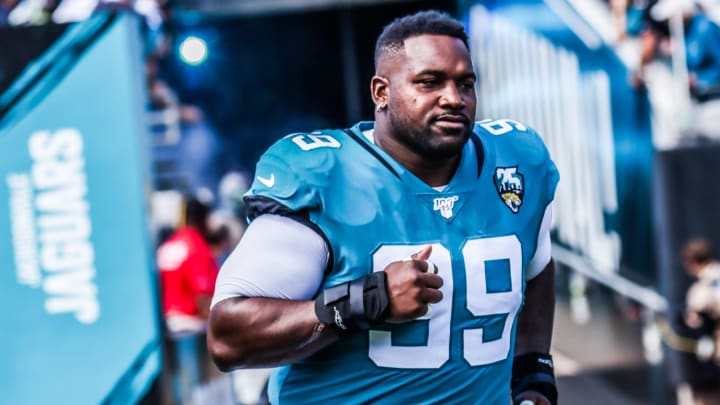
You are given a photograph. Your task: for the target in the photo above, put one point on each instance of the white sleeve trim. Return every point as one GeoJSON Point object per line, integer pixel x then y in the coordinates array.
{"type": "Point", "coordinates": [277, 257]}
{"type": "Point", "coordinates": [543, 249]}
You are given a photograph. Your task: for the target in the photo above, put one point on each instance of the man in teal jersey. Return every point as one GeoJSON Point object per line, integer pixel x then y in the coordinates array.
{"type": "Point", "coordinates": [405, 260]}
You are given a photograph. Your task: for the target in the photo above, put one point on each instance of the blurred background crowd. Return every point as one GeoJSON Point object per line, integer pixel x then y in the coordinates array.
{"type": "Point", "coordinates": [626, 94]}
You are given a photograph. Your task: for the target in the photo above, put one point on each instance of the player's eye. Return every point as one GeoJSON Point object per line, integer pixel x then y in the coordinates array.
{"type": "Point", "coordinates": [467, 84]}
{"type": "Point", "coordinates": [428, 82]}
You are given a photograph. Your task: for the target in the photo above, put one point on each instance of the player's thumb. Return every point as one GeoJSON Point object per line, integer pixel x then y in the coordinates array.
{"type": "Point", "coordinates": [424, 254]}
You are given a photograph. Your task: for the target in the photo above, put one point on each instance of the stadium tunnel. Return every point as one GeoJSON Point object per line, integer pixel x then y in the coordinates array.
{"type": "Point", "coordinates": [104, 126]}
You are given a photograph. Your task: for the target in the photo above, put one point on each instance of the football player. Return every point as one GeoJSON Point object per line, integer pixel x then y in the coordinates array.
{"type": "Point", "coordinates": [404, 260]}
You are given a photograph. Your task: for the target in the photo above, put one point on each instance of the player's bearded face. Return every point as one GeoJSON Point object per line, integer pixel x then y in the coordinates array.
{"type": "Point", "coordinates": [432, 96]}
{"type": "Point", "coordinates": [426, 139]}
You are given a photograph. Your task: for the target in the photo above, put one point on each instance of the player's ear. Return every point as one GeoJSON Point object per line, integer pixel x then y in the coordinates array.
{"type": "Point", "coordinates": [379, 87]}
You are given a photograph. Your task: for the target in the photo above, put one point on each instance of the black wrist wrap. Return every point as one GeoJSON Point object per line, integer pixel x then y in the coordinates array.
{"type": "Point", "coordinates": [355, 305]}
{"type": "Point", "coordinates": [534, 371]}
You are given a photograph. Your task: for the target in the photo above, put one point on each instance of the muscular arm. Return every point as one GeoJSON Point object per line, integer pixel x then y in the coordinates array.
{"type": "Point", "coordinates": [535, 324]}
{"type": "Point", "coordinates": [264, 332]}
{"type": "Point", "coordinates": [262, 314]}
{"type": "Point", "coordinates": [535, 321]}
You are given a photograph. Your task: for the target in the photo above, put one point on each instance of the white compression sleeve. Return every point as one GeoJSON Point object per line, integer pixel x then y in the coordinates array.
{"type": "Point", "coordinates": [277, 257]}
{"type": "Point", "coordinates": [542, 250]}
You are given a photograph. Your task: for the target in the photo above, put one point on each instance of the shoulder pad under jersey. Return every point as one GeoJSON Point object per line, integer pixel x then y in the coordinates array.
{"type": "Point", "coordinates": [524, 144]}
{"type": "Point", "coordinates": [294, 170]}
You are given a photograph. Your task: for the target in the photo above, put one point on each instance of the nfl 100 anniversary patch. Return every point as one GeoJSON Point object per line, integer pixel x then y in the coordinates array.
{"type": "Point", "coordinates": [445, 205]}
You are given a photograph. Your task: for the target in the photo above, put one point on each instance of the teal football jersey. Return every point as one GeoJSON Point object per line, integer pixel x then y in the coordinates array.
{"type": "Point", "coordinates": [372, 211]}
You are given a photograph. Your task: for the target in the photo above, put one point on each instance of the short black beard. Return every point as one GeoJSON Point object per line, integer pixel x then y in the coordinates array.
{"type": "Point", "coordinates": [420, 141]}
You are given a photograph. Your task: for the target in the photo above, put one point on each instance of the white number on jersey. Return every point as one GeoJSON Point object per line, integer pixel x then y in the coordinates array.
{"type": "Point", "coordinates": [502, 126]}
{"type": "Point", "coordinates": [314, 141]}
{"type": "Point", "coordinates": [476, 253]}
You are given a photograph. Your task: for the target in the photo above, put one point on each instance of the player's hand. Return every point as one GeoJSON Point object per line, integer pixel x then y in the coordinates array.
{"type": "Point", "coordinates": [530, 398]}
{"type": "Point", "coordinates": [412, 286]}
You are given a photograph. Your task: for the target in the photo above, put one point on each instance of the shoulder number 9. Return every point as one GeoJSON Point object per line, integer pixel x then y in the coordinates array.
{"type": "Point", "coordinates": [315, 140]}
{"type": "Point", "coordinates": [501, 126]}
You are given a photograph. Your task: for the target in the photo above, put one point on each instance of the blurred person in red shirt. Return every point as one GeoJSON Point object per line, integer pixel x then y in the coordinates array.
{"type": "Point", "coordinates": [187, 272]}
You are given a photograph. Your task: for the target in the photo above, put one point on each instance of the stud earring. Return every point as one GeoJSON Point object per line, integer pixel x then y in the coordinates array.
{"type": "Point", "coordinates": [380, 107]}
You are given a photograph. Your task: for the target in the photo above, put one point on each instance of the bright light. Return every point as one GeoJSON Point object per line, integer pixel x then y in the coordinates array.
{"type": "Point", "coordinates": [193, 51]}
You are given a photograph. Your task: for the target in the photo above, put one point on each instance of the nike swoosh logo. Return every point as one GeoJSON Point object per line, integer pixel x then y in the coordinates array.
{"type": "Point", "coordinates": [269, 182]}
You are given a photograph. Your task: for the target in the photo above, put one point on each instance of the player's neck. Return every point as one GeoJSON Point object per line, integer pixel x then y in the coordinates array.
{"type": "Point", "coordinates": [434, 173]}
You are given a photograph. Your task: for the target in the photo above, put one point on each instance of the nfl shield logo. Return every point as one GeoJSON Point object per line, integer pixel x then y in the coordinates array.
{"type": "Point", "coordinates": [445, 205]}
{"type": "Point", "coordinates": [510, 186]}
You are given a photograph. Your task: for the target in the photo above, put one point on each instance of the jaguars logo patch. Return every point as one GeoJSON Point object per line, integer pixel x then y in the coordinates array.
{"type": "Point", "coordinates": [510, 185]}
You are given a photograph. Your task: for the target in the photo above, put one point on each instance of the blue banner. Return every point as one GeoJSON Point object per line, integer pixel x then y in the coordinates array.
{"type": "Point", "coordinates": [80, 318]}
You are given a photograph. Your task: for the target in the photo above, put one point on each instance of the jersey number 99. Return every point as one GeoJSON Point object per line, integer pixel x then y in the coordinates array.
{"type": "Point", "coordinates": [480, 302]}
